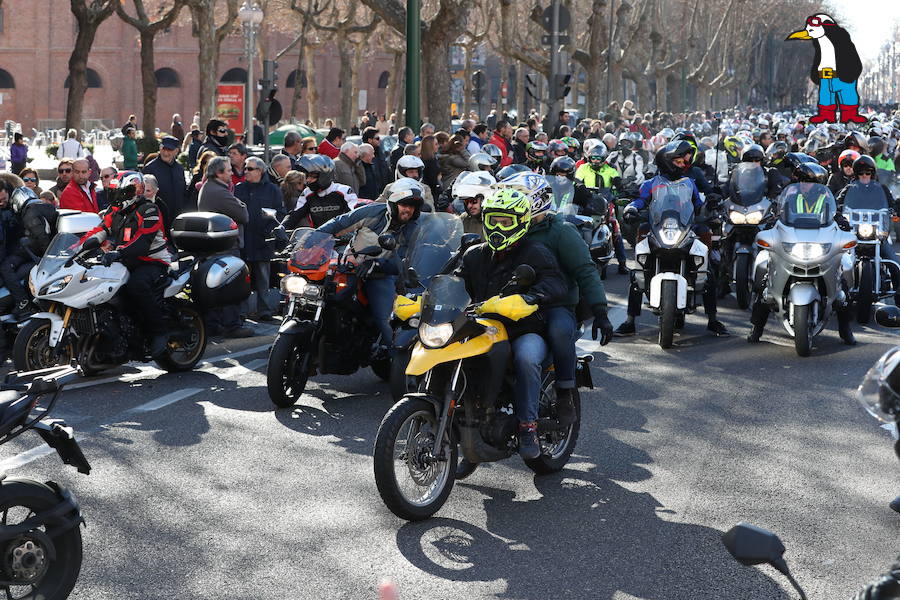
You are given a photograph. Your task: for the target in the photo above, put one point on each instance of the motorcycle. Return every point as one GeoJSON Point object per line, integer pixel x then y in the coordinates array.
{"type": "Point", "coordinates": [40, 535]}
{"type": "Point", "coordinates": [803, 267]}
{"type": "Point", "coordinates": [673, 257]}
{"type": "Point", "coordinates": [465, 402]}
{"type": "Point", "coordinates": [327, 326]}
{"type": "Point", "coordinates": [745, 210]}
{"type": "Point", "coordinates": [874, 277]}
{"type": "Point", "coordinates": [601, 238]}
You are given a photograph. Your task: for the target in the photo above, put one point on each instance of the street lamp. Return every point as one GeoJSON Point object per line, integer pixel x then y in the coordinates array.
{"type": "Point", "coordinates": [250, 15]}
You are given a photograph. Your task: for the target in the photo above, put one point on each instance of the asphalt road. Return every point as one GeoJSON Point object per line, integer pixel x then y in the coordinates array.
{"type": "Point", "coordinates": [201, 490]}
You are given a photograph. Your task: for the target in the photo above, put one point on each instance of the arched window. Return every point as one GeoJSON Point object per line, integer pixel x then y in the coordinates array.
{"type": "Point", "coordinates": [383, 80]}
{"type": "Point", "coordinates": [6, 80]}
{"type": "Point", "coordinates": [292, 79]}
{"type": "Point", "coordinates": [235, 75]}
{"type": "Point", "coordinates": [167, 78]}
{"type": "Point", "coordinates": [93, 79]}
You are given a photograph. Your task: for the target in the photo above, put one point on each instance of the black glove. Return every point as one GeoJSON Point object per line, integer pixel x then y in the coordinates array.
{"type": "Point", "coordinates": [842, 222]}
{"type": "Point", "coordinates": [713, 200]}
{"type": "Point", "coordinates": [631, 215]}
{"type": "Point", "coordinates": [601, 322]}
{"type": "Point", "coordinates": [109, 258]}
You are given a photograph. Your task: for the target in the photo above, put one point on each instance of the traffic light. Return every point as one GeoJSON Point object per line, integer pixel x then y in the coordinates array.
{"type": "Point", "coordinates": [269, 109]}
{"type": "Point", "coordinates": [560, 87]}
{"type": "Point", "coordinates": [478, 84]}
{"type": "Point", "coordinates": [531, 87]}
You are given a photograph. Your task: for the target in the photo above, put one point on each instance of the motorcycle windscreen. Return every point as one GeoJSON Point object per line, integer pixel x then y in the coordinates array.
{"type": "Point", "coordinates": [884, 176]}
{"type": "Point", "coordinates": [807, 206]}
{"type": "Point", "coordinates": [311, 248]}
{"type": "Point", "coordinates": [563, 191]}
{"type": "Point", "coordinates": [61, 249]}
{"type": "Point", "coordinates": [445, 299]}
{"type": "Point", "coordinates": [673, 200]}
{"type": "Point", "coordinates": [748, 184]}
{"type": "Point", "coordinates": [868, 196]}
{"type": "Point", "coordinates": [434, 242]}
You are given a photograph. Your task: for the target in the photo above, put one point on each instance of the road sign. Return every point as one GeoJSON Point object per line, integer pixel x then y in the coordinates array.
{"type": "Point", "coordinates": [546, 40]}
{"type": "Point", "coordinates": [565, 18]}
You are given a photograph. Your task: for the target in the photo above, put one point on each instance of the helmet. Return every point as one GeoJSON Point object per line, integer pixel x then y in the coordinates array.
{"type": "Point", "coordinates": [597, 156]}
{"type": "Point", "coordinates": [21, 197]}
{"type": "Point", "coordinates": [405, 190]}
{"type": "Point", "coordinates": [667, 154]}
{"type": "Point", "coordinates": [481, 162]}
{"type": "Point", "coordinates": [690, 139]}
{"type": "Point", "coordinates": [406, 162]}
{"type": "Point", "coordinates": [323, 167]}
{"type": "Point", "coordinates": [667, 133]}
{"type": "Point", "coordinates": [876, 145]}
{"type": "Point", "coordinates": [510, 170]}
{"type": "Point", "coordinates": [794, 159]}
{"type": "Point", "coordinates": [563, 165]}
{"type": "Point", "coordinates": [855, 138]}
{"type": "Point", "coordinates": [532, 185]}
{"type": "Point", "coordinates": [753, 153]}
{"type": "Point", "coordinates": [588, 145]}
{"type": "Point", "coordinates": [126, 185]}
{"type": "Point", "coordinates": [572, 145]}
{"type": "Point", "coordinates": [470, 185]}
{"type": "Point", "coordinates": [557, 148]}
{"type": "Point", "coordinates": [811, 172]}
{"type": "Point", "coordinates": [733, 146]}
{"type": "Point", "coordinates": [864, 164]}
{"type": "Point", "coordinates": [625, 141]}
{"type": "Point", "coordinates": [493, 151]}
{"type": "Point", "coordinates": [848, 156]}
{"type": "Point", "coordinates": [536, 151]}
{"type": "Point", "coordinates": [506, 216]}
{"type": "Point", "coordinates": [879, 392]}
{"type": "Point", "coordinates": [776, 152]}
{"type": "Point", "coordinates": [705, 143]}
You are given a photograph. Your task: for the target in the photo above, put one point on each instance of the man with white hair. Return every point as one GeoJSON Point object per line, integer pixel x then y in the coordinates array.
{"type": "Point", "coordinates": [71, 147]}
{"type": "Point", "coordinates": [374, 181]}
{"type": "Point", "coordinates": [347, 169]}
{"type": "Point", "coordinates": [279, 167]}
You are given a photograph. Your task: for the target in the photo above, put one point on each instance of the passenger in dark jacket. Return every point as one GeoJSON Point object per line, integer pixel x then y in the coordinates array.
{"type": "Point", "coordinates": [170, 176]}
{"type": "Point", "coordinates": [375, 180]}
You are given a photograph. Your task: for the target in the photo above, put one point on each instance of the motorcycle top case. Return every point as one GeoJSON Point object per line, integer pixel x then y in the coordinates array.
{"type": "Point", "coordinates": [220, 281]}
{"type": "Point", "coordinates": [204, 233]}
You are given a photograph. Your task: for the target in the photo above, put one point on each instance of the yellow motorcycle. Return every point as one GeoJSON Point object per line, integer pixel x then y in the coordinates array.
{"type": "Point", "coordinates": [465, 402]}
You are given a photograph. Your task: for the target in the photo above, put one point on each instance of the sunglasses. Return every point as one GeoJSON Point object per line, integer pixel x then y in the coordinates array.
{"type": "Point", "coordinates": [29, 179]}
{"type": "Point", "coordinates": [107, 176]}
{"type": "Point", "coordinates": [221, 131]}
{"type": "Point", "coordinates": [251, 169]}
{"type": "Point", "coordinates": [64, 171]}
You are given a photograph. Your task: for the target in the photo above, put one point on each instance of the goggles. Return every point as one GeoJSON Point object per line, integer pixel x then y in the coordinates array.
{"type": "Point", "coordinates": [501, 221]}
{"type": "Point", "coordinates": [817, 22]}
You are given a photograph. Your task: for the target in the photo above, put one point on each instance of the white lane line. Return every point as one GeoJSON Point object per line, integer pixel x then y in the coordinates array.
{"type": "Point", "coordinates": [20, 460]}
{"type": "Point", "coordinates": [165, 400]}
{"type": "Point", "coordinates": [256, 349]}
{"type": "Point", "coordinates": [241, 369]}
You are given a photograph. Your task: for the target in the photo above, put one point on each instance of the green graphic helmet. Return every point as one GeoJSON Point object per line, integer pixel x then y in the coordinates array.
{"type": "Point", "coordinates": [506, 216]}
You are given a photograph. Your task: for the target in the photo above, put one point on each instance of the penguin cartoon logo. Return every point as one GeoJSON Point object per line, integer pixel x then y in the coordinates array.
{"type": "Point", "coordinates": [835, 69]}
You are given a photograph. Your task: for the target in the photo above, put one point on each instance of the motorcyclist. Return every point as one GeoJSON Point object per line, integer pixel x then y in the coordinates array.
{"type": "Point", "coordinates": [494, 152]}
{"type": "Point", "coordinates": [595, 173]}
{"type": "Point", "coordinates": [844, 175]}
{"type": "Point", "coordinates": [878, 151]}
{"type": "Point", "coordinates": [487, 268]}
{"type": "Point", "coordinates": [774, 182]}
{"type": "Point", "coordinates": [626, 161]}
{"type": "Point", "coordinates": [733, 147]}
{"type": "Point", "coordinates": [536, 156]}
{"type": "Point", "coordinates": [322, 199]}
{"type": "Point", "coordinates": [469, 192]}
{"type": "Point", "coordinates": [399, 217]}
{"type": "Point", "coordinates": [412, 167]}
{"type": "Point", "coordinates": [671, 161]}
{"type": "Point", "coordinates": [573, 148]}
{"type": "Point", "coordinates": [133, 232]}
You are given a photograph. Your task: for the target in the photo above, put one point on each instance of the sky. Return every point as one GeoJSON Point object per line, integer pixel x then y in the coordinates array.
{"type": "Point", "coordinates": [869, 22]}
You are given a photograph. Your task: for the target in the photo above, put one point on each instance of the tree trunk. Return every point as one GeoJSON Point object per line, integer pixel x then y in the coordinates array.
{"type": "Point", "coordinates": [436, 77]}
{"type": "Point", "coordinates": [298, 87]}
{"type": "Point", "coordinates": [345, 54]}
{"type": "Point", "coordinates": [468, 96]}
{"type": "Point", "coordinates": [148, 82]}
{"type": "Point", "coordinates": [643, 93]}
{"type": "Point", "coordinates": [391, 101]}
{"type": "Point", "coordinates": [207, 60]}
{"type": "Point", "coordinates": [662, 92]}
{"type": "Point", "coordinates": [520, 91]}
{"type": "Point", "coordinates": [312, 92]}
{"type": "Point", "coordinates": [78, 73]}
{"type": "Point", "coordinates": [354, 84]}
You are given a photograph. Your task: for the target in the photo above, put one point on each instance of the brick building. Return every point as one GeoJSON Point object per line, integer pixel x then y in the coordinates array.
{"type": "Point", "coordinates": [36, 38]}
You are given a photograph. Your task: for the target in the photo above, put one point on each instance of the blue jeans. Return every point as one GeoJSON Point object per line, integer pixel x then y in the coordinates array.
{"type": "Point", "coordinates": [381, 293]}
{"type": "Point", "coordinates": [561, 330]}
{"type": "Point", "coordinates": [834, 91]}
{"type": "Point", "coordinates": [529, 351]}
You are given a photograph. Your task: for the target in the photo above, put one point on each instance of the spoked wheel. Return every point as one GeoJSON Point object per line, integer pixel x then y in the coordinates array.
{"type": "Point", "coordinates": [413, 474]}
{"type": "Point", "coordinates": [556, 445]}
{"type": "Point", "coordinates": [189, 343]}
{"type": "Point", "coordinates": [26, 558]}
{"type": "Point", "coordinates": [32, 349]}
{"type": "Point", "coordinates": [803, 329]}
{"type": "Point", "coordinates": [288, 369]}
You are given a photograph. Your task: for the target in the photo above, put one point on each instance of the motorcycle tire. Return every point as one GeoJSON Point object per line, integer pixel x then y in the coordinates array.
{"type": "Point", "coordinates": [287, 370]}
{"type": "Point", "coordinates": [667, 307]}
{"type": "Point", "coordinates": [22, 498]}
{"type": "Point", "coordinates": [742, 281]}
{"type": "Point", "coordinates": [554, 458]}
{"type": "Point", "coordinates": [399, 381]}
{"type": "Point", "coordinates": [865, 298]}
{"type": "Point", "coordinates": [802, 330]}
{"type": "Point", "coordinates": [32, 350]}
{"type": "Point", "coordinates": [390, 430]}
{"type": "Point", "coordinates": [178, 360]}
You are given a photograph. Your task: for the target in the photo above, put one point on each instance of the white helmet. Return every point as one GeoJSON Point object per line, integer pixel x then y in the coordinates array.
{"type": "Point", "coordinates": [532, 185]}
{"type": "Point", "coordinates": [407, 162]}
{"type": "Point", "coordinates": [481, 161]}
{"type": "Point", "coordinates": [405, 190]}
{"type": "Point", "coordinates": [588, 145]}
{"type": "Point", "coordinates": [470, 185]}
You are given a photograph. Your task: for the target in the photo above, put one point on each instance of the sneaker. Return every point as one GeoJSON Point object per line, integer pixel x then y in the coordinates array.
{"type": "Point", "coordinates": [239, 332]}
{"type": "Point", "coordinates": [529, 446]}
{"type": "Point", "coordinates": [565, 407]}
{"type": "Point", "coordinates": [625, 329]}
{"type": "Point", "coordinates": [717, 327]}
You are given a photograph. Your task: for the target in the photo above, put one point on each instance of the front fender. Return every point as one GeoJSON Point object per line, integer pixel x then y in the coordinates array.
{"type": "Point", "coordinates": [56, 326]}
{"type": "Point", "coordinates": [424, 359]}
{"type": "Point", "coordinates": [803, 293]}
{"type": "Point", "coordinates": [295, 327]}
{"type": "Point", "coordinates": [656, 289]}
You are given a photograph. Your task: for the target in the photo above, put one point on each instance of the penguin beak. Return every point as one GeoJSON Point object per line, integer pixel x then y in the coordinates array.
{"type": "Point", "coordinates": [799, 35]}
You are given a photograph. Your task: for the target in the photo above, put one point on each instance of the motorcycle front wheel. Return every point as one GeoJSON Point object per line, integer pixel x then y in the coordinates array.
{"type": "Point", "coordinates": [25, 559]}
{"type": "Point", "coordinates": [865, 297]}
{"type": "Point", "coordinates": [413, 476]}
{"type": "Point", "coordinates": [32, 350]}
{"type": "Point", "coordinates": [742, 280]}
{"type": "Point", "coordinates": [184, 355]}
{"type": "Point", "coordinates": [288, 369]}
{"type": "Point", "coordinates": [668, 299]}
{"type": "Point", "coordinates": [803, 330]}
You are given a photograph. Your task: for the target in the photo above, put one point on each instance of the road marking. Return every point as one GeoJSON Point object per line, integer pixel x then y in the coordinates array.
{"type": "Point", "coordinates": [166, 400]}
{"type": "Point", "coordinates": [241, 369]}
{"type": "Point", "coordinates": [20, 460]}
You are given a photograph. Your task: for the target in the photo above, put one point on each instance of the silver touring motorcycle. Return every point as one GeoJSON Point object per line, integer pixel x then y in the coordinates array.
{"type": "Point", "coordinates": [804, 268]}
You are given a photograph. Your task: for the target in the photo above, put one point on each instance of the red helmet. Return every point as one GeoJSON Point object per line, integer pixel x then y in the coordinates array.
{"type": "Point", "coordinates": [847, 156]}
{"type": "Point", "coordinates": [123, 179]}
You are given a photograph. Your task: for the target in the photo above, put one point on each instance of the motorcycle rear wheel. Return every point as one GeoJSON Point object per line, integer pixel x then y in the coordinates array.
{"type": "Point", "coordinates": [287, 370]}
{"type": "Point", "coordinates": [865, 298]}
{"type": "Point", "coordinates": [186, 358]}
{"type": "Point", "coordinates": [556, 448]}
{"type": "Point", "coordinates": [24, 558]}
{"type": "Point", "coordinates": [32, 350]}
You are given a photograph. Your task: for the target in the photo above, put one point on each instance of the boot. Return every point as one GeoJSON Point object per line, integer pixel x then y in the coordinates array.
{"type": "Point", "coordinates": [529, 446]}
{"type": "Point", "coordinates": [158, 345]}
{"type": "Point", "coordinates": [758, 319]}
{"type": "Point", "coordinates": [716, 326]}
{"type": "Point", "coordinates": [623, 269]}
{"type": "Point", "coordinates": [844, 328]}
{"type": "Point", "coordinates": [755, 334]}
{"type": "Point", "coordinates": [850, 114]}
{"type": "Point", "coordinates": [626, 328]}
{"type": "Point", "coordinates": [827, 114]}
{"type": "Point", "coordinates": [565, 407]}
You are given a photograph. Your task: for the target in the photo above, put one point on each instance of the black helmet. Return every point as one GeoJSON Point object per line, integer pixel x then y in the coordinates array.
{"type": "Point", "coordinates": [753, 153]}
{"type": "Point", "coordinates": [322, 166]}
{"type": "Point", "coordinates": [810, 172]}
{"type": "Point", "coordinates": [690, 139]}
{"type": "Point", "coordinates": [876, 145]}
{"type": "Point", "coordinates": [795, 159]}
{"type": "Point", "coordinates": [21, 197]}
{"type": "Point", "coordinates": [510, 170]}
{"type": "Point", "coordinates": [863, 164]}
{"type": "Point", "coordinates": [670, 152]}
{"type": "Point", "coordinates": [857, 139]}
{"type": "Point", "coordinates": [776, 152]}
{"type": "Point", "coordinates": [563, 165]}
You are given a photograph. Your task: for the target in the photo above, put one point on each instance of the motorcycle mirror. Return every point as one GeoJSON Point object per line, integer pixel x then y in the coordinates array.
{"type": "Point", "coordinates": [387, 241]}
{"type": "Point", "coordinates": [752, 545]}
{"type": "Point", "coordinates": [91, 243]}
{"type": "Point", "coordinates": [524, 275]}
{"type": "Point", "coordinates": [269, 212]}
{"type": "Point", "coordinates": [888, 316]}
{"type": "Point", "coordinates": [468, 240]}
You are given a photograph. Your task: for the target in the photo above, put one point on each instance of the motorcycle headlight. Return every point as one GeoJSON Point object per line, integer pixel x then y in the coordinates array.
{"type": "Point", "coordinates": [312, 292]}
{"type": "Point", "coordinates": [670, 232]}
{"type": "Point", "coordinates": [31, 287]}
{"type": "Point", "coordinates": [866, 231]}
{"type": "Point", "coordinates": [755, 217]}
{"type": "Point", "coordinates": [806, 250]}
{"type": "Point", "coordinates": [737, 218]}
{"type": "Point", "coordinates": [56, 286]}
{"type": "Point", "coordinates": [435, 336]}
{"type": "Point", "coordinates": [293, 284]}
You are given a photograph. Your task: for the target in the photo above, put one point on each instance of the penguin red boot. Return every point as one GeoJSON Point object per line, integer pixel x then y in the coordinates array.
{"type": "Point", "coordinates": [850, 114]}
{"type": "Point", "coordinates": [827, 114]}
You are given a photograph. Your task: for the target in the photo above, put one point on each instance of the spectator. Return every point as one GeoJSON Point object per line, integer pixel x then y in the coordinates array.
{"type": "Point", "coordinates": [151, 192]}
{"type": "Point", "coordinates": [216, 197]}
{"type": "Point", "coordinates": [424, 130]}
{"type": "Point", "coordinates": [308, 145]}
{"type": "Point", "coordinates": [63, 176]}
{"type": "Point", "coordinates": [492, 119]}
{"type": "Point", "coordinates": [216, 138]}
{"type": "Point", "coordinates": [70, 147]}
{"type": "Point", "coordinates": [278, 168]}
{"type": "Point", "coordinates": [293, 147]}
{"type": "Point", "coordinates": [129, 150]}
{"type": "Point", "coordinates": [331, 145]}
{"type": "Point", "coordinates": [347, 169]}
{"type": "Point", "coordinates": [197, 180]}
{"type": "Point", "coordinates": [193, 147]}
{"type": "Point", "coordinates": [170, 176]}
{"type": "Point", "coordinates": [79, 194]}
{"type": "Point", "coordinates": [237, 154]}
{"type": "Point", "coordinates": [518, 146]}
{"type": "Point", "coordinates": [48, 197]}
{"type": "Point", "coordinates": [106, 174]}
{"type": "Point", "coordinates": [477, 138]}
{"type": "Point", "coordinates": [453, 161]}
{"type": "Point", "coordinates": [177, 128]}
{"type": "Point", "coordinates": [18, 153]}
{"type": "Point", "coordinates": [404, 136]}
{"type": "Point", "coordinates": [562, 119]}
{"type": "Point", "coordinates": [372, 137]}
{"type": "Point", "coordinates": [468, 125]}
{"type": "Point", "coordinates": [196, 120]}
{"type": "Point", "coordinates": [31, 179]}
{"type": "Point", "coordinates": [383, 126]}
{"type": "Point", "coordinates": [329, 123]}
{"type": "Point", "coordinates": [257, 193]}
{"type": "Point", "coordinates": [374, 182]}
{"type": "Point", "coordinates": [259, 134]}
{"type": "Point", "coordinates": [501, 139]}
{"type": "Point", "coordinates": [432, 174]}
{"type": "Point", "coordinates": [131, 122]}
{"type": "Point", "coordinates": [291, 188]}
{"type": "Point", "coordinates": [95, 168]}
